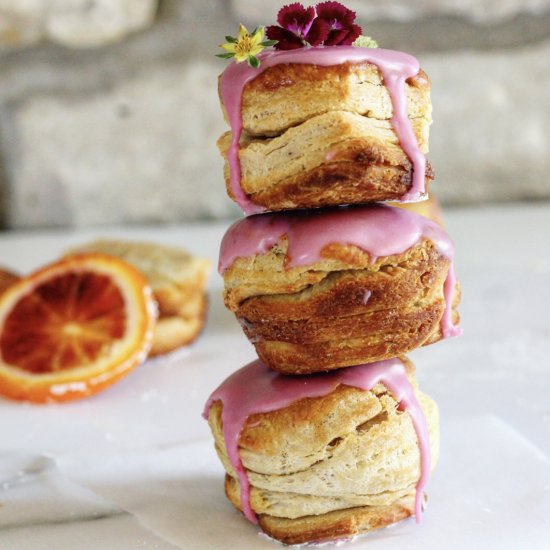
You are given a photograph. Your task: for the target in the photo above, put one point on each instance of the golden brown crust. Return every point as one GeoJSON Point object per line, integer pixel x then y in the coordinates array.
{"type": "Point", "coordinates": [332, 457]}
{"type": "Point", "coordinates": [333, 315]}
{"type": "Point", "coordinates": [331, 526]}
{"type": "Point", "coordinates": [337, 525]}
{"type": "Point", "coordinates": [333, 184]}
{"type": "Point", "coordinates": [322, 136]}
{"type": "Point", "coordinates": [331, 159]}
{"type": "Point", "coordinates": [286, 95]}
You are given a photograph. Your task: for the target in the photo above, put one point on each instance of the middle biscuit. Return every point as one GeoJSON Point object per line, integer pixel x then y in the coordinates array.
{"type": "Point", "coordinates": [320, 290]}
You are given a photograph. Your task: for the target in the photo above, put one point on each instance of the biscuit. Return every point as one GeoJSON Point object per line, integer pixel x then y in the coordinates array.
{"type": "Point", "coordinates": [326, 132]}
{"type": "Point", "coordinates": [173, 332]}
{"type": "Point", "coordinates": [346, 305]}
{"type": "Point", "coordinates": [330, 466]}
{"type": "Point", "coordinates": [337, 525]}
{"type": "Point", "coordinates": [333, 158]}
{"type": "Point", "coordinates": [285, 95]}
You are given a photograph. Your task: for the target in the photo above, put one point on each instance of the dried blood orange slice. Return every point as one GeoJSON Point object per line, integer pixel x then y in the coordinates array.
{"type": "Point", "coordinates": [73, 328]}
{"type": "Point", "coordinates": [7, 278]}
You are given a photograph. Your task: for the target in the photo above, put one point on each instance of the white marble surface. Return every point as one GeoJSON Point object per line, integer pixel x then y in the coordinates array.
{"type": "Point", "coordinates": [135, 467]}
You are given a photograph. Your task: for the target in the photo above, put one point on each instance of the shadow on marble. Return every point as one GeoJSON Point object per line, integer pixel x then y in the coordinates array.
{"type": "Point", "coordinates": [34, 492]}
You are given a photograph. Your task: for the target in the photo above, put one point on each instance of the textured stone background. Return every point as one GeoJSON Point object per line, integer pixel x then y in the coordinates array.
{"type": "Point", "coordinates": [109, 113]}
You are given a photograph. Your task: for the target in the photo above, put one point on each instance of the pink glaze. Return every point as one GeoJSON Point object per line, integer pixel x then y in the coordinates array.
{"type": "Point", "coordinates": [379, 230]}
{"type": "Point", "coordinates": [396, 68]}
{"type": "Point", "coordinates": [257, 389]}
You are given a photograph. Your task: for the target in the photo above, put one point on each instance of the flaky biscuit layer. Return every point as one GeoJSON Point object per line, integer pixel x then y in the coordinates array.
{"type": "Point", "coordinates": [343, 310]}
{"type": "Point", "coordinates": [286, 95]}
{"type": "Point", "coordinates": [334, 158]}
{"type": "Point", "coordinates": [351, 451]}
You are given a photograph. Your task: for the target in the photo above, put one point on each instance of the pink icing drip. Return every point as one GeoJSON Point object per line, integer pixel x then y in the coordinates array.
{"type": "Point", "coordinates": [257, 389]}
{"type": "Point", "coordinates": [396, 68]}
{"type": "Point", "coordinates": [379, 230]}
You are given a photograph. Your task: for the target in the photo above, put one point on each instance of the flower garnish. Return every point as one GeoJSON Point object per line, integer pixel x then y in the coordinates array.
{"type": "Point", "coordinates": [365, 42]}
{"type": "Point", "coordinates": [246, 46]}
{"type": "Point", "coordinates": [295, 25]}
{"type": "Point", "coordinates": [340, 20]}
{"type": "Point", "coordinates": [328, 24]}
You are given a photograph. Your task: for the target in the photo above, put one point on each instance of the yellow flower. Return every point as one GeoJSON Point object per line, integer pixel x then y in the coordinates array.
{"type": "Point", "coordinates": [246, 46]}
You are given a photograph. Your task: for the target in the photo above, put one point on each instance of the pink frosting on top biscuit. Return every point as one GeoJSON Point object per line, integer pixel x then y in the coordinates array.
{"type": "Point", "coordinates": [379, 230]}
{"type": "Point", "coordinates": [395, 67]}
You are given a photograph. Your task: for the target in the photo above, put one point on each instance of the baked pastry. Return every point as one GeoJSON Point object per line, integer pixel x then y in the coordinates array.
{"type": "Point", "coordinates": [178, 281]}
{"type": "Point", "coordinates": [325, 289]}
{"type": "Point", "coordinates": [324, 127]}
{"type": "Point", "coordinates": [175, 331]}
{"type": "Point", "coordinates": [331, 159]}
{"type": "Point", "coordinates": [328, 456]}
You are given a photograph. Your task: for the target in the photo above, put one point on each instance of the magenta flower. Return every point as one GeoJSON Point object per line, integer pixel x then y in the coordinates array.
{"type": "Point", "coordinates": [295, 18]}
{"type": "Point", "coordinates": [329, 23]}
{"type": "Point", "coordinates": [340, 21]}
{"type": "Point", "coordinates": [295, 23]}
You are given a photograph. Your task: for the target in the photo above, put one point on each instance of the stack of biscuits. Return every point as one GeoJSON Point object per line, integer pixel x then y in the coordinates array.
{"type": "Point", "coordinates": [326, 281]}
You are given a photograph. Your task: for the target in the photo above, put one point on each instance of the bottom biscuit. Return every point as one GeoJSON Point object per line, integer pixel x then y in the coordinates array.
{"type": "Point", "coordinates": [326, 456]}
{"type": "Point", "coordinates": [332, 526]}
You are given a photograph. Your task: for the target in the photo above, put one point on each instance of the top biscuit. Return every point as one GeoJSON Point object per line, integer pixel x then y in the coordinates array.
{"type": "Point", "coordinates": [286, 95]}
{"type": "Point", "coordinates": [326, 127]}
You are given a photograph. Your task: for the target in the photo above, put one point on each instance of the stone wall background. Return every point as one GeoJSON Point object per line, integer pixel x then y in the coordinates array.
{"type": "Point", "coordinates": [109, 112]}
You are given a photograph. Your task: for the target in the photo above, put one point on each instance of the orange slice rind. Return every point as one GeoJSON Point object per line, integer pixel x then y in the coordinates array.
{"type": "Point", "coordinates": [73, 328]}
{"type": "Point", "coordinates": [7, 278]}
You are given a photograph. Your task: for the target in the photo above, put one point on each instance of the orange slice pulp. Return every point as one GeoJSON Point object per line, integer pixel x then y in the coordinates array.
{"type": "Point", "coordinates": [73, 328]}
